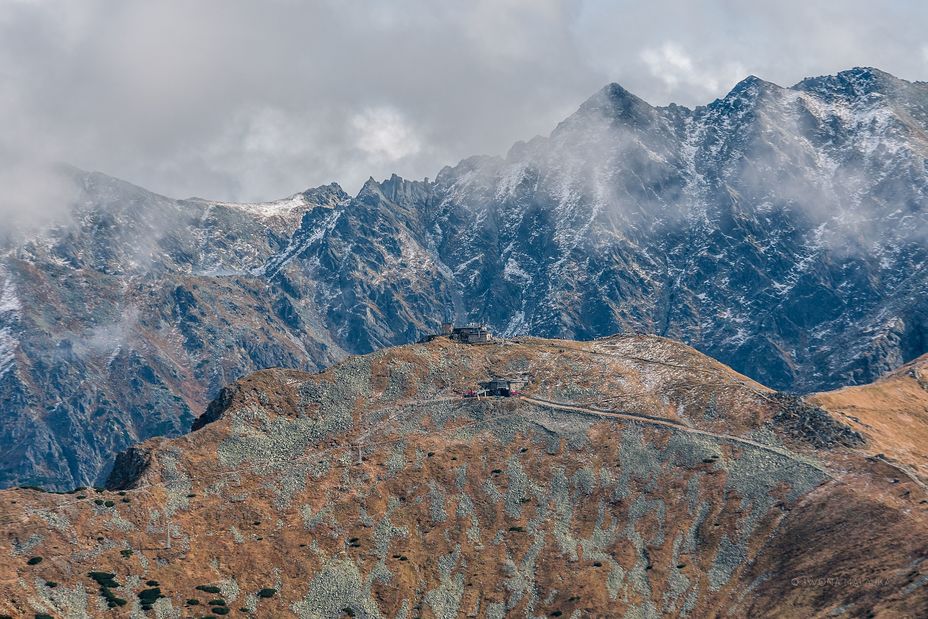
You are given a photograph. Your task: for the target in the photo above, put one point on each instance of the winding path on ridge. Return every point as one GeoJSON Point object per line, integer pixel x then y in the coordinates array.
{"type": "Point", "coordinates": [669, 423]}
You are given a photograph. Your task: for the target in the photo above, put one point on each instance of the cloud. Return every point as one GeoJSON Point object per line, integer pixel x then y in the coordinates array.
{"type": "Point", "coordinates": [35, 194]}
{"type": "Point", "coordinates": [239, 100]}
{"type": "Point", "coordinates": [384, 134]}
{"type": "Point", "coordinates": [671, 66]}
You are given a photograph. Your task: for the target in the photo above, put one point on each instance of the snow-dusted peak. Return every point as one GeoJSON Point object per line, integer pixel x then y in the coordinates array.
{"type": "Point", "coordinates": [853, 84]}
{"type": "Point", "coordinates": [612, 104]}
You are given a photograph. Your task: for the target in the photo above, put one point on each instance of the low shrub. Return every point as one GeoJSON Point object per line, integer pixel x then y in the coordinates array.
{"type": "Point", "coordinates": [112, 601]}
{"type": "Point", "coordinates": [267, 593]}
{"type": "Point", "coordinates": [107, 580]}
{"type": "Point", "coordinates": [208, 588]}
{"type": "Point", "coordinates": [34, 561]}
{"type": "Point", "coordinates": [148, 596]}
{"type": "Point", "coordinates": [104, 579]}
{"type": "Point", "coordinates": [51, 584]}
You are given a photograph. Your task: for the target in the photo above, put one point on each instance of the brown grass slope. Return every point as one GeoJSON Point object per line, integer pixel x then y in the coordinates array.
{"type": "Point", "coordinates": [642, 480]}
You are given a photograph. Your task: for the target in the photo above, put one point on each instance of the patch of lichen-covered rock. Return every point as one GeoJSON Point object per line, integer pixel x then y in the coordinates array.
{"type": "Point", "coordinates": [632, 477]}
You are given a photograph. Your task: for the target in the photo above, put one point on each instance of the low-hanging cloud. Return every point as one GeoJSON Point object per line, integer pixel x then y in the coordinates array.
{"type": "Point", "coordinates": [241, 100]}
{"type": "Point", "coordinates": [671, 66]}
{"type": "Point", "coordinates": [384, 134]}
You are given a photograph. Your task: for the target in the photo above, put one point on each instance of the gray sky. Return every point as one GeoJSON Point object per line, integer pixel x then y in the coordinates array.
{"type": "Point", "coordinates": [241, 100]}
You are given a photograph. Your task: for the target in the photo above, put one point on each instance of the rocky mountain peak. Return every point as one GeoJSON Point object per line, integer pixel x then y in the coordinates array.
{"type": "Point", "coordinates": [853, 84]}
{"type": "Point", "coordinates": [613, 104]}
{"type": "Point", "coordinates": [326, 193]}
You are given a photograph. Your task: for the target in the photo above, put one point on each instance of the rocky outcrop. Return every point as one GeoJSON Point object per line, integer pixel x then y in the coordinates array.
{"type": "Point", "coordinates": [128, 469]}
{"type": "Point", "coordinates": [806, 422]}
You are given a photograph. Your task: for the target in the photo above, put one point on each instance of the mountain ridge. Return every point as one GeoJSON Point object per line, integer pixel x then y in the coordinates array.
{"type": "Point", "coordinates": [375, 489]}
{"type": "Point", "coordinates": [776, 230]}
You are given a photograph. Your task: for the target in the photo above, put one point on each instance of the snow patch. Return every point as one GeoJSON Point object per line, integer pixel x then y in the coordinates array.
{"type": "Point", "coordinates": [276, 208]}
{"type": "Point", "coordinates": [9, 302]}
{"type": "Point", "coordinates": [8, 345]}
{"type": "Point", "coordinates": [10, 307]}
{"type": "Point", "coordinates": [513, 272]}
{"type": "Point", "coordinates": [516, 325]}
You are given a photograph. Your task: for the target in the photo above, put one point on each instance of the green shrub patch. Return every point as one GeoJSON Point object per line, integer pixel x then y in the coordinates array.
{"type": "Point", "coordinates": [107, 581]}
{"type": "Point", "coordinates": [104, 579]}
{"type": "Point", "coordinates": [148, 596]}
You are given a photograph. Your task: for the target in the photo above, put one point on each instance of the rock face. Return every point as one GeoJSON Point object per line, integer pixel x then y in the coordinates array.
{"type": "Point", "coordinates": [634, 477]}
{"type": "Point", "coordinates": [780, 230]}
{"type": "Point", "coordinates": [122, 323]}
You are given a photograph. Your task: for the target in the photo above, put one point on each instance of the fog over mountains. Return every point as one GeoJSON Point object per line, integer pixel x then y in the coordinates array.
{"type": "Point", "coordinates": [779, 230]}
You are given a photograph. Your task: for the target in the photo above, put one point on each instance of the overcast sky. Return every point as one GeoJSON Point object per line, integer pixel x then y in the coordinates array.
{"type": "Point", "coordinates": [240, 100]}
